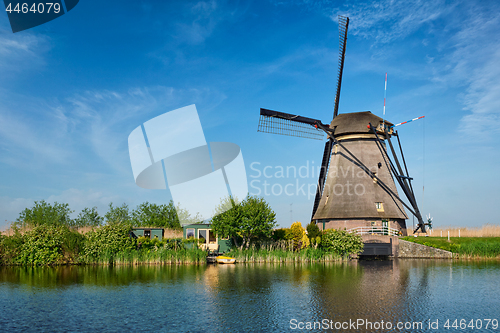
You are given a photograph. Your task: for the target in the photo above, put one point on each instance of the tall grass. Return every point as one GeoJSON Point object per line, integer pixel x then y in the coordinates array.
{"type": "Point", "coordinates": [281, 251]}
{"type": "Point", "coordinates": [153, 256]}
{"type": "Point", "coordinates": [275, 256]}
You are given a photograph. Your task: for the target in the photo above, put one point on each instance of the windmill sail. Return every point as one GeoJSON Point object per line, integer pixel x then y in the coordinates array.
{"type": "Point", "coordinates": [288, 124]}
{"type": "Point", "coordinates": [343, 25]}
{"type": "Point", "coordinates": [322, 175]}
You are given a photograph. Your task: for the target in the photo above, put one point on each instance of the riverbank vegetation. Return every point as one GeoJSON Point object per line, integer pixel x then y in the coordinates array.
{"type": "Point", "coordinates": [46, 235]}
{"type": "Point", "coordinates": [465, 247]}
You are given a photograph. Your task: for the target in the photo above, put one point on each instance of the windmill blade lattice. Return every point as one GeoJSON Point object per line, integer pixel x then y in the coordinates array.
{"type": "Point", "coordinates": [288, 124]}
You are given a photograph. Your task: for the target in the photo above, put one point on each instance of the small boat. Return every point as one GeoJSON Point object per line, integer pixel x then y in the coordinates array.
{"type": "Point", "coordinates": [225, 260]}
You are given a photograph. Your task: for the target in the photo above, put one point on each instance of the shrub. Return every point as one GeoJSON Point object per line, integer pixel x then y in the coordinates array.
{"type": "Point", "coordinates": [298, 235]}
{"type": "Point", "coordinates": [341, 242]}
{"type": "Point", "coordinates": [313, 231]}
{"type": "Point", "coordinates": [108, 240]}
{"type": "Point", "coordinates": [279, 234]}
{"type": "Point", "coordinates": [49, 245]}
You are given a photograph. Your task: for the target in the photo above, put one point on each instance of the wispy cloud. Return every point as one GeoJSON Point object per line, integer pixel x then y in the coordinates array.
{"type": "Point", "coordinates": [204, 17]}
{"type": "Point", "coordinates": [476, 61]}
{"type": "Point", "coordinates": [386, 21]}
{"type": "Point", "coordinates": [21, 52]}
{"type": "Point", "coordinates": [92, 122]}
{"type": "Point", "coordinates": [25, 137]}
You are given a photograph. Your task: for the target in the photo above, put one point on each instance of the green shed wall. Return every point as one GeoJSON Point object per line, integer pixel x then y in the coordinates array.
{"type": "Point", "coordinates": [157, 232]}
{"type": "Point", "coordinates": [224, 244]}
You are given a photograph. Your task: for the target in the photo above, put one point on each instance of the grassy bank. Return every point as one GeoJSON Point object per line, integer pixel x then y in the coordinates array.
{"type": "Point", "coordinates": [466, 247]}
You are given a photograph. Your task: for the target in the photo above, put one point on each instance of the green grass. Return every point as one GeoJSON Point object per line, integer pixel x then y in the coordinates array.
{"type": "Point", "coordinates": [485, 247]}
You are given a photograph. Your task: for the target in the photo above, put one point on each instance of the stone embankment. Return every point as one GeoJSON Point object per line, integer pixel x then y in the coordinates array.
{"type": "Point", "coordinates": [395, 247]}
{"type": "Point", "coordinates": [413, 250]}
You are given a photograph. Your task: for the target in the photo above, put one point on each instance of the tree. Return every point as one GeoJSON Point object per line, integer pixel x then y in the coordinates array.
{"type": "Point", "coordinates": [89, 218]}
{"type": "Point", "coordinates": [227, 222]}
{"type": "Point", "coordinates": [342, 242]}
{"type": "Point", "coordinates": [117, 214]}
{"type": "Point", "coordinates": [257, 220]}
{"type": "Point", "coordinates": [313, 230]}
{"type": "Point", "coordinates": [185, 216]}
{"type": "Point", "coordinates": [253, 218]}
{"type": "Point", "coordinates": [43, 213]}
{"type": "Point", "coordinates": [153, 215]}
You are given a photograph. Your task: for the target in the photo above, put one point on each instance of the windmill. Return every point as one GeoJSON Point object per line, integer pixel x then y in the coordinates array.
{"type": "Point", "coordinates": [356, 181]}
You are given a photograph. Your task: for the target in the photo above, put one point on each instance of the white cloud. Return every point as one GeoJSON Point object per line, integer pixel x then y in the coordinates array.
{"type": "Point", "coordinates": [23, 139]}
{"type": "Point", "coordinates": [10, 208]}
{"type": "Point", "coordinates": [475, 63]}
{"type": "Point", "coordinates": [100, 121]}
{"type": "Point", "coordinates": [386, 21]}
{"type": "Point", "coordinates": [21, 52]}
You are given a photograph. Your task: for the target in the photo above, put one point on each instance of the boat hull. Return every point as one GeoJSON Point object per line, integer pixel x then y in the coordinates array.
{"type": "Point", "coordinates": [225, 260]}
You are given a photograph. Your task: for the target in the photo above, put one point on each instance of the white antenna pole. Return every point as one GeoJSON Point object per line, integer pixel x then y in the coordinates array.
{"type": "Point", "coordinates": [385, 95]}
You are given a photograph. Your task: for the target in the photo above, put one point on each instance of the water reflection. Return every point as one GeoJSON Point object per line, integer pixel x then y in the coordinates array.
{"type": "Point", "coordinates": [252, 297]}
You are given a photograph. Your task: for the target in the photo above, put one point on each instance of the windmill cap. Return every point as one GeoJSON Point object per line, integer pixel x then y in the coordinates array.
{"type": "Point", "coordinates": [356, 122]}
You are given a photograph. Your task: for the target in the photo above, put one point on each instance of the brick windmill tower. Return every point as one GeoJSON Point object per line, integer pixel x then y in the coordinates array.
{"type": "Point", "coordinates": [356, 185]}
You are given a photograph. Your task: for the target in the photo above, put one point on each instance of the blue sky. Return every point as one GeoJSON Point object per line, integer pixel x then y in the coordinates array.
{"type": "Point", "coordinates": [73, 89]}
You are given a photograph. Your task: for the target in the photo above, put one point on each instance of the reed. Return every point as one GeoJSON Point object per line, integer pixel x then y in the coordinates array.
{"type": "Point", "coordinates": [486, 230]}
{"type": "Point", "coordinates": [158, 256]}
{"type": "Point", "coordinates": [282, 255]}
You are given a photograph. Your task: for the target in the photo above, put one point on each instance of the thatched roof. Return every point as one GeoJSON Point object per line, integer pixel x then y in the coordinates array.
{"type": "Point", "coordinates": [356, 122]}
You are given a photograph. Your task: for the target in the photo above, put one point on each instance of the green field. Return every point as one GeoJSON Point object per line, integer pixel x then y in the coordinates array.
{"type": "Point", "coordinates": [485, 247]}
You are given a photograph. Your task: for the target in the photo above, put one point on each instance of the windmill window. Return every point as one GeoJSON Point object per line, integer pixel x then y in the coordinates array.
{"type": "Point", "coordinates": [379, 206]}
{"type": "Point", "coordinates": [326, 201]}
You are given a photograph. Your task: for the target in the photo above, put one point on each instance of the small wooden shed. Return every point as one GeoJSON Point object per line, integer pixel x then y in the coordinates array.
{"type": "Point", "coordinates": [148, 232]}
{"type": "Point", "coordinates": [208, 239]}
